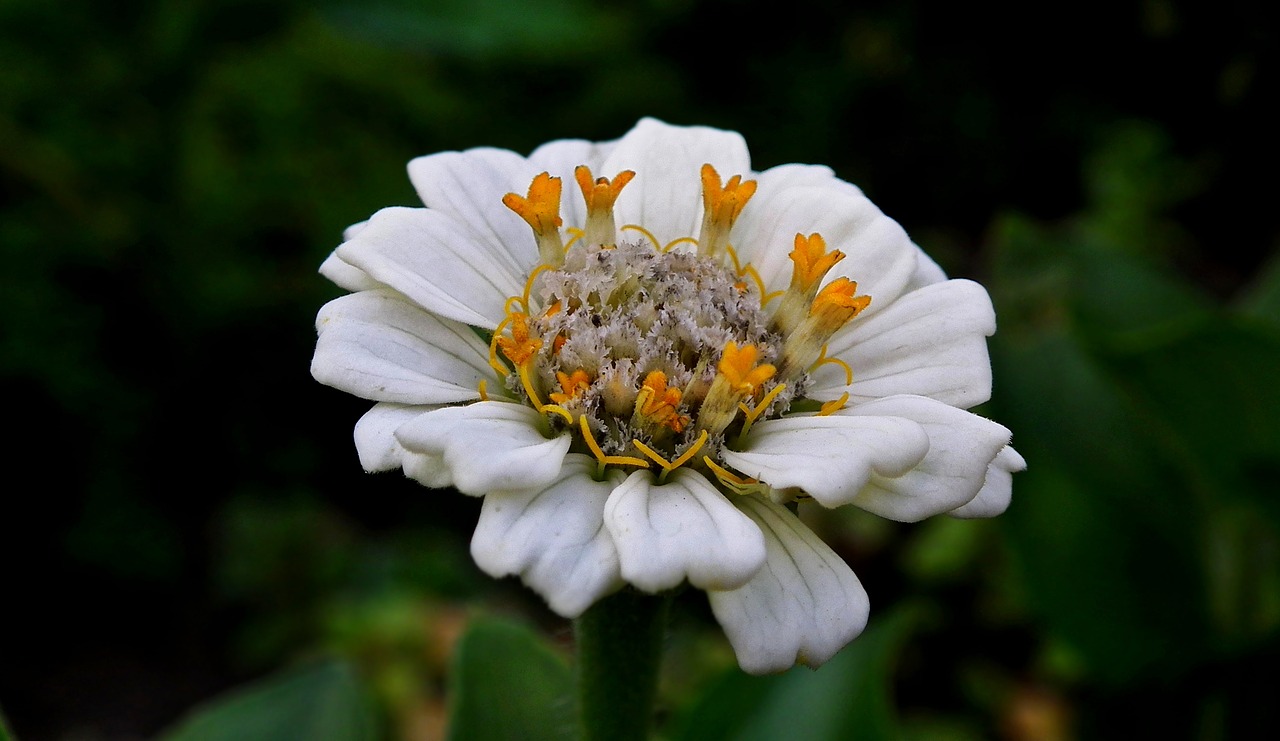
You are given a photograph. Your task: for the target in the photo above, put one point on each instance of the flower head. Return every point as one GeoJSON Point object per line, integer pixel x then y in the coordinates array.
{"type": "Point", "coordinates": [640, 373]}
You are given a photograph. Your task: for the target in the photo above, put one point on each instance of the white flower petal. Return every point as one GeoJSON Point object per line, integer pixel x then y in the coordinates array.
{"type": "Point", "coordinates": [682, 529]}
{"type": "Point", "coordinates": [380, 450]}
{"type": "Point", "coordinates": [803, 606]}
{"type": "Point", "coordinates": [878, 253]}
{"type": "Point", "coordinates": [430, 258]}
{"type": "Point", "coordinates": [927, 272]}
{"type": "Point", "coordinates": [375, 435]}
{"type": "Point", "coordinates": [488, 445]}
{"type": "Point", "coordinates": [666, 196]}
{"type": "Point", "coordinates": [376, 345]}
{"type": "Point", "coordinates": [428, 469]}
{"type": "Point", "coordinates": [931, 342]}
{"type": "Point", "coordinates": [469, 186]}
{"type": "Point", "coordinates": [560, 158]}
{"type": "Point", "coordinates": [351, 231]}
{"type": "Point", "coordinates": [553, 537]}
{"type": "Point", "coordinates": [997, 489]}
{"type": "Point", "coordinates": [831, 458]}
{"type": "Point", "coordinates": [346, 275]}
{"type": "Point", "coordinates": [961, 447]}
{"type": "Point", "coordinates": [753, 232]}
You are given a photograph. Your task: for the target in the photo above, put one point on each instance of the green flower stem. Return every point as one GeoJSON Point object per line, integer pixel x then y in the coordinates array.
{"type": "Point", "coordinates": [619, 653]}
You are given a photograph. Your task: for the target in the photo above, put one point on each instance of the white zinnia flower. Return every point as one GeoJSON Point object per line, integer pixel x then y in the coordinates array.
{"type": "Point", "coordinates": [640, 385]}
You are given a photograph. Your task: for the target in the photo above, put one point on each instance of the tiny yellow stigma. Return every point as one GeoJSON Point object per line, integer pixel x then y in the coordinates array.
{"type": "Point", "coordinates": [738, 366]}
{"type": "Point", "coordinates": [571, 384]}
{"type": "Point", "coordinates": [811, 260]}
{"type": "Point", "coordinates": [520, 346]}
{"type": "Point", "coordinates": [600, 195]}
{"type": "Point", "coordinates": [722, 204]}
{"type": "Point", "coordinates": [541, 211]}
{"type": "Point", "coordinates": [657, 403]}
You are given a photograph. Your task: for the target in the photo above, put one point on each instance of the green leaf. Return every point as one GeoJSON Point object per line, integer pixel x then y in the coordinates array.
{"type": "Point", "coordinates": [848, 697]}
{"type": "Point", "coordinates": [5, 734]}
{"type": "Point", "coordinates": [1102, 531]}
{"type": "Point", "coordinates": [321, 702]}
{"type": "Point", "coordinates": [508, 684]}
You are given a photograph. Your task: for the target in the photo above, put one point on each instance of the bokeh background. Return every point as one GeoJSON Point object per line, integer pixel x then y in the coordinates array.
{"type": "Point", "coordinates": [183, 512]}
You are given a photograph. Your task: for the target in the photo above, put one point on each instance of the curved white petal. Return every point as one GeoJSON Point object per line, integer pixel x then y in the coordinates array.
{"type": "Point", "coordinates": [376, 345]}
{"type": "Point", "coordinates": [427, 469]}
{"type": "Point", "coordinates": [831, 458]}
{"type": "Point", "coordinates": [682, 529]}
{"type": "Point", "coordinates": [666, 195]}
{"type": "Point", "coordinates": [961, 447]}
{"type": "Point", "coordinates": [554, 538]}
{"type": "Point", "coordinates": [927, 272]}
{"type": "Point", "coordinates": [753, 232]}
{"type": "Point", "coordinates": [997, 489]}
{"type": "Point", "coordinates": [428, 257]}
{"type": "Point", "coordinates": [347, 276]}
{"type": "Point", "coordinates": [930, 342]}
{"type": "Point", "coordinates": [354, 229]}
{"type": "Point", "coordinates": [803, 606]}
{"type": "Point", "coordinates": [878, 253]}
{"type": "Point", "coordinates": [560, 158]}
{"type": "Point", "coordinates": [488, 445]}
{"type": "Point", "coordinates": [375, 435]}
{"type": "Point", "coordinates": [469, 186]}
{"type": "Point", "coordinates": [380, 450]}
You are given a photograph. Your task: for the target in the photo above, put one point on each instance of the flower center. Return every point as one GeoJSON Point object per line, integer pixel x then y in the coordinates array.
{"type": "Point", "coordinates": [660, 354]}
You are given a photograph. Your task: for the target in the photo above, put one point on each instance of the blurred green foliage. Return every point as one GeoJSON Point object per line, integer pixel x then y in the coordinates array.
{"type": "Point", "coordinates": [171, 175]}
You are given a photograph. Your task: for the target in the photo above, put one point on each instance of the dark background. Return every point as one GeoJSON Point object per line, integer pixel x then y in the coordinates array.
{"type": "Point", "coordinates": [184, 510]}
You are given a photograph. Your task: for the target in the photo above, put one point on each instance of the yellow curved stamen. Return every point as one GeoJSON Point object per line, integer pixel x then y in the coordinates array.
{"type": "Point", "coordinates": [617, 460]}
{"type": "Point", "coordinates": [687, 455]}
{"type": "Point", "coordinates": [577, 234]}
{"type": "Point", "coordinates": [637, 228]}
{"type": "Point", "coordinates": [754, 413]}
{"type": "Point", "coordinates": [680, 240]}
{"type": "Point", "coordinates": [483, 389]}
{"type": "Point", "coordinates": [732, 481]}
{"type": "Point", "coordinates": [750, 271]}
{"type": "Point", "coordinates": [494, 363]}
{"type": "Point", "coordinates": [527, 382]}
{"type": "Point", "coordinates": [823, 360]}
{"type": "Point", "coordinates": [557, 409]}
{"type": "Point", "coordinates": [669, 466]}
{"type": "Point", "coordinates": [833, 406]}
